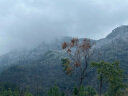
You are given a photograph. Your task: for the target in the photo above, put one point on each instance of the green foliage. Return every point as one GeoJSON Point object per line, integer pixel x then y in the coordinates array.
{"type": "Point", "coordinates": [9, 92]}
{"type": "Point", "coordinates": [7, 89]}
{"type": "Point", "coordinates": [67, 67]}
{"type": "Point", "coordinates": [54, 91]}
{"type": "Point", "coordinates": [115, 80]}
{"type": "Point", "coordinates": [103, 73]}
{"type": "Point", "coordinates": [62, 93]}
{"type": "Point", "coordinates": [16, 92]}
{"type": "Point", "coordinates": [102, 70]}
{"type": "Point", "coordinates": [27, 93]}
{"type": "Point", "coordinates": [8, 86]}
{"type": "Point", "coordinates": [82, 91]}
{"type": "Point", "coordinates": [88, 92]}
{"type": "Point", "coordinates": [75, 91]}
{"type": "Point", "coordinates": [91, 91]}
{"type": "Point", "coordinates": [111, 74]}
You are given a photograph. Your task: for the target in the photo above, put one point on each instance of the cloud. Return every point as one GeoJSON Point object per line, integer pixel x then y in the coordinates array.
{"type": "Point", "coordinates": [25, 23]}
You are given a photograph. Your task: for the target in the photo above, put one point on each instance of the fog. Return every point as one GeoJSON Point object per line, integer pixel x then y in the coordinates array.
{"type": "Point", "coordinates": [26, 23]}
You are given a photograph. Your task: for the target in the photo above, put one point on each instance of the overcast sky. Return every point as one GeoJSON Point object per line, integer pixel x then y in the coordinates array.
{"type": "Point", "coordinates": [28, 22]}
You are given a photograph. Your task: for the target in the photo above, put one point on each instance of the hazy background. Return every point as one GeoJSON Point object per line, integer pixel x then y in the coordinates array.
{"type": "Point", "coordinates": [25, 23]}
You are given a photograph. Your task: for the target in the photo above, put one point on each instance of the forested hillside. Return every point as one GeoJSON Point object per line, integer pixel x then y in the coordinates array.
{"type": "Point", "coordinates": [41, 68]}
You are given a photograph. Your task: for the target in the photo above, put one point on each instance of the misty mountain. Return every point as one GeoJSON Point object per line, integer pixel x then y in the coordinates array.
{"type": "Point", "coordinates": [42, 65]}
{"type": "Point", "coordinates": [115, 46]}
{"type": "Point", "coordinates": [119, 32]}
{"type": "Point", "coordinates": [23, 56]}
{"type": "Point", "coordinates": [116, 34]}
{"type": "Point", "coordinates": [39, 75]}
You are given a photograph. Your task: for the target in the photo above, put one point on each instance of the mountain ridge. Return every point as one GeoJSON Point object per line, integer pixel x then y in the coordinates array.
{"type": "Point", "coordinates": [46, 69]}
{"type": "Point", "coordinates": [28, 56]}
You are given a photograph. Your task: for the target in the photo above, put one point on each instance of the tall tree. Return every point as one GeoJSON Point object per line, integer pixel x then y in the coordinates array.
{"type": "Point", "coordinates": [77, 52]}
{"type": "Point", "coordinates": [115, 80]}
{"type": "Point", "coordinates": [109, 73]}
{"type": "Point", "coordinates": [103, 71]}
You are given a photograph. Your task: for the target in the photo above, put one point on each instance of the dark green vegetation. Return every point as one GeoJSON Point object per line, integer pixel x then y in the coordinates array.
{"type": "Point", "coordinates": [112, 75]}
{"type": "Point", "coordinates": [46, 69]}
{"type": "Point", "coordinates": [39, 74]}
{"type": "Point", "coordinates": [8, 89]}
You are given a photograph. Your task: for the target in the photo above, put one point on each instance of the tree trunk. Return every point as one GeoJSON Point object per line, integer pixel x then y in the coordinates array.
{"type": "Point", "coordinates": [81, 79]}
{"type": "Point", "coordinates": [100, 86]}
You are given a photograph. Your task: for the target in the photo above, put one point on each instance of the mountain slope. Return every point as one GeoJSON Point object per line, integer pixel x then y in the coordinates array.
{"type": "Point", "coordinates": [119, 33]}
{"type": "Point", "coordinates": [42, 71]}
{"type": "Point", "coordinates": [117, 46]}
{"type": "Point", "coordinates": [39, 75]}
{"type": "Point", "coordinates": [22, 57]}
